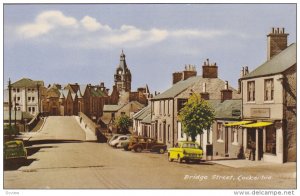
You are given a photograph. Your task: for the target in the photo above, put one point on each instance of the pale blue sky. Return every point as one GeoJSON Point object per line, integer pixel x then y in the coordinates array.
{"type": "Point", "coordinates": [61, 43]}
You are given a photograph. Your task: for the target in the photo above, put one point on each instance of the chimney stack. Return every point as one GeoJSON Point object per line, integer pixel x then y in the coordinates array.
{"type": "Point", "coordinates": [209, 70]}
{"type": "Point", "coordinates": [226, 93]}
{"type": "Point", "coordinates": [204, 94]}
{"type": "Point", "coordinates": [277, 42]}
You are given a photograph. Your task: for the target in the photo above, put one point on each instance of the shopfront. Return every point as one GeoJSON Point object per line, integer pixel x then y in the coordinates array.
{"type": "Point", "coordinates": [265, 141]}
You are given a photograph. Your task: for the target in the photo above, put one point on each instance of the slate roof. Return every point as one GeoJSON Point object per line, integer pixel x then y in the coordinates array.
{"type": "Point", "coordinates": [112, 108]}
{"type": "Point", "coordinates": [278, 64]}
{"type": "Point", "coordinates": [225, 109]}
{"type": "Point", "coordinates": [147, 119]}
{"type": "Point", "coordinates": [211, 85]}
{"type": "Point", "coordinates": [28, 83]}
{"type": "Point", "coordinates": [82, 89]}
{"type": "Point", "coordinates": [143, 113]}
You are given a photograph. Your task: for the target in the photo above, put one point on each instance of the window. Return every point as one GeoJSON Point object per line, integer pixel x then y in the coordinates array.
{"type": "Point", "coordinates": [18, 90]}
{"type": "Point", "coordinates": [269, 90]}
{"type": "Point", "coordinates": [169, 132]}
{"type": "Point", "coordinates": [234, 135]}
{"type": "Point", "coordinates": [168, 107]}
{"type": "Point", "coordinates": [32, 99]}
{"type": "Point", "coordinates": [163, 106]}
{"type": "Point", "coordinates": [251, 91]}
{"type": "Point", "coordinates": [122, 113]}
{"type": "Point", "coordinates": [271, 139]}
{"type": "Point", "coordinates": [33, 109]}
{"type": "Point", "coordinates": [29, 98]}
{"type": "Point", "coordinates": [18, 98]}
{"type": "Point", "coordinates": [159, 107]}
{"type": "Point", "coordinates": [180, 104]}
{"type": "Point", "coordinates": [219, 131]}
{"type": "Point", "coordinates": [29, 109]}
{"type": "Point", "coordinates": [113, 115]}
{"type": "Point", "coordinates": [179, 129]}
{"type": "Point", "coordinates": [160, 130]}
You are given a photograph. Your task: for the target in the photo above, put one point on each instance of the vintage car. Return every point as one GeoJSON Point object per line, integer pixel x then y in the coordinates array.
{"type": "Point", "coordinates": [14, 150]}
{"type": "Point", "coordinates": [138, 144]}
{"type": "Point", "coordinates": [187, 151]}
{"type": "Point", "coordinates": [117, 142]}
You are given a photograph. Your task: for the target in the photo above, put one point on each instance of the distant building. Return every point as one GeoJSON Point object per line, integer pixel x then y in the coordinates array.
{"type": "Point", "coordinates": [269, 102]}
{"type": "Point", "coordinates": [26, 95]}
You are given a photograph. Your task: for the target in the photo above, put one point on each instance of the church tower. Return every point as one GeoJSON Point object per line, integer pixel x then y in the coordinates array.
{"type": "Point", "coordinates": [123, 75]}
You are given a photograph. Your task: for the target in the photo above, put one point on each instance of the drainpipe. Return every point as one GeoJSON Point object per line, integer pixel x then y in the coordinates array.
{"type": "Point", "coordinates": [173, 138]}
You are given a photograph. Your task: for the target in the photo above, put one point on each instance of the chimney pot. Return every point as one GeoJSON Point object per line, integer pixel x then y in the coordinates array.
{"type": "Point", "coordinates": [226, 85]}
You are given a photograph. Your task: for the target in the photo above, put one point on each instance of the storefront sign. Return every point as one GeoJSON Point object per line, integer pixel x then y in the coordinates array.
{"type": "Point", "coordinates": [260, 112]}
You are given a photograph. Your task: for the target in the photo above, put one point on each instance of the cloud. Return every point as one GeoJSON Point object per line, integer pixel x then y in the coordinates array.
{"type": "Point", "coordinates": [45, 22]}
{"type": "Point", "coordinates": [91, 24]}
{"type": "Point", "coordinates": [90, 33]}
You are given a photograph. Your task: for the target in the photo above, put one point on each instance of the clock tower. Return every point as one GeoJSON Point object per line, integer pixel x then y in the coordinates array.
{"type": "Point", "coordinates": [123, 75]}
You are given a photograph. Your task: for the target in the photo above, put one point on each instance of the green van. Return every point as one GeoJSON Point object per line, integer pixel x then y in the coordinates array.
{"type": "Point", "coordinates": [14, 150]}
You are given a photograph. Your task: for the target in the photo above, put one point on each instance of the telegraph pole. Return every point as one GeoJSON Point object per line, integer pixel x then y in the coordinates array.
{"type": "Point", "coordinates": [9, 102]}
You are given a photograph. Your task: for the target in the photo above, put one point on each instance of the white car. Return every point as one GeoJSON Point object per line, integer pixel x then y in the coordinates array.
{"type": "Point", "coordinates": [117, 142]}
{"type": "Point", "coordinates": [114, 136]}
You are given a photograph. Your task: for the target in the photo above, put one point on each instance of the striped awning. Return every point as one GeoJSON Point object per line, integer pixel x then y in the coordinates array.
{"type": "Point", "coordinates": [257, 124]}
{"type": "Point", "coordinates": [237, 123]}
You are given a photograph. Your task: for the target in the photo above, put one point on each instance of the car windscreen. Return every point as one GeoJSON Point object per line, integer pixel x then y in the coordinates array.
{"type": "Point", "coordinates": [190, 145]}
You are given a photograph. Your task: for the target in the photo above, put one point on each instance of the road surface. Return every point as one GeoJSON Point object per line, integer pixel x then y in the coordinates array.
{"type": "Point", "coordinates": [90, 165]}
{"type": "Point", "coordinates": [60, 128]}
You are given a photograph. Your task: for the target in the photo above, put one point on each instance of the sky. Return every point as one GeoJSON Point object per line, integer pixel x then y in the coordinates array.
{"type": "Point", "coordinates": [82, 43]}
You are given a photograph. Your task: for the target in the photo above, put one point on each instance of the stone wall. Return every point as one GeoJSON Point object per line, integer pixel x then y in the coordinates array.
{"type": "Point", "coordinates": [290, 112]}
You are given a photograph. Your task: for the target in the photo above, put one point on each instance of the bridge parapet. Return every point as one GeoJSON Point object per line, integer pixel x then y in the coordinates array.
{"type": "Point", "coordinates": [88, 123]}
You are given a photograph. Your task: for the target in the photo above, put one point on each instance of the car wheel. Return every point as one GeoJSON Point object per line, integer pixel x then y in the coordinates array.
{"type": "Point", "coordinates": [116, 145]}
{"type": "Point", "coordinates": [179, 159]}
{"type": "Point", "coordinates": [161, 151]}
{"type": "Point", "coordinates": [138, 149]}
{"type": "Point", "coordinates": [169, 158]}
{"type": "Point", "coordinates": [126, 148]}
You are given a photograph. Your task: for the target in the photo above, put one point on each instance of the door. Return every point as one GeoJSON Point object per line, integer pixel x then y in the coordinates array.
{"type": "Point", "coordinates": [164, 133]}
{"type": "Point", "coordinates": [226, 141]}
{"type": "Point", "coordinates": [260, 144]}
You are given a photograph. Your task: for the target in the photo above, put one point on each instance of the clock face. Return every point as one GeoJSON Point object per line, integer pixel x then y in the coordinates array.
{"type": "Point", "coordinates": [120, 72]}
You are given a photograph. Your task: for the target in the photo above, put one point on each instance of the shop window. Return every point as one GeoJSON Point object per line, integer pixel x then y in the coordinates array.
{"type": "Point", "coordinates": [269, 90]}
{"type": "Point", "coordinates": [271, 139]}
{"type": "Point", "coordinates": [219, 131]}
{"type": "Point", "coordinates": [251, 91]}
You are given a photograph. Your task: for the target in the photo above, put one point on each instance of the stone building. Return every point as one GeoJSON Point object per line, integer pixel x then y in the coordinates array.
{"type": "Point", "coordinates": [26, 95]}
{"type": "Point", "coordinates": [269, 102]}
{"type": "Point", "coordinates": [165, 126]}
{"type": "Point", "coordinates": [142, 122]}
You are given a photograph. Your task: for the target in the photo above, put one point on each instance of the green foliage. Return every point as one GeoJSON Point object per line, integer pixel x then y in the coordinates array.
{"type": "Point", "coordinates": [10, 130]}
{"type": "Point", "coordinates": [195, 116]}
{"type": "Point", "coordinates": [124, 122]}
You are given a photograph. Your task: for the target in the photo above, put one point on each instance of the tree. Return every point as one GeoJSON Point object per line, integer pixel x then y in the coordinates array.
{"type": "Point", "coordinates": [124, 122]}
{"type": "Point", "coordinates": [195, 116]}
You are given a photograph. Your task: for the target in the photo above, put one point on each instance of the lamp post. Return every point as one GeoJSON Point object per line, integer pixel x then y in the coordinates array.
{"type": "Point", "coordinates": [15, 108]}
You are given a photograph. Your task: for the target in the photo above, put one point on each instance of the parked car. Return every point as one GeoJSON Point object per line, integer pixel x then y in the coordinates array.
{"type": "Point", "coordinates": [138, 144]}
{"type": "Point", "coordinates": [188, 151]}
{"type": "Point", "coordinates": [117, 142]}
{"type": "Point", "coordinates": [114, 136]}
{"type": "Point", "coordinates": [14, 150]}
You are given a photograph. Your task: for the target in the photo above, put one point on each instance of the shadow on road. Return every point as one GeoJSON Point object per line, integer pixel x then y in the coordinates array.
{"type": "Point", "coordinates": [51, 141]}
{"type": "Point", "coordinates": [34, 149]}
{"type": "Point", "coordinates": [10, 165]}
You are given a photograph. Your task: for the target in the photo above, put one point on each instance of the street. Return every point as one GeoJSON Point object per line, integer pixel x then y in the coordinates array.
{"type": "Point", "coordinates": [90, 165]}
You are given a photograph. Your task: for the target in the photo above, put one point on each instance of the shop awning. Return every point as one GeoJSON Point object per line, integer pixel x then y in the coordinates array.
{"type": "Point", "coordinates": [257, 124]}
{"type": "Point", "coordinates": [237, 123]}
